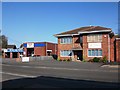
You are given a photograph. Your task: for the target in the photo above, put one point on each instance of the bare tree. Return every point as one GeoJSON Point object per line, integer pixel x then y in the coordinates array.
{"type": "Point", "coordinates": [3, 41]}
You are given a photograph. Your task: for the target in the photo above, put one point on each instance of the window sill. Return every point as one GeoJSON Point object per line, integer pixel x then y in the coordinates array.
{"type": "Point", "coordinates": [65, 43]}
{"type": "Point", "coordinates": [65, 56]}
{"type": "Point", "coordinates": [94, 56]}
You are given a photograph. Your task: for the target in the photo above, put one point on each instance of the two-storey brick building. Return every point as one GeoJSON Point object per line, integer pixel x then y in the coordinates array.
{"type": "Point", "coordinates": [86, 43]}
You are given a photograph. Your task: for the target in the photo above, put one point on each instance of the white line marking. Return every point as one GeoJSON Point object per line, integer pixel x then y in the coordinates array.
{"type": "Point", "coordinates": [21, 75]}
{"type": "Point", "coordinates": [111, 66]}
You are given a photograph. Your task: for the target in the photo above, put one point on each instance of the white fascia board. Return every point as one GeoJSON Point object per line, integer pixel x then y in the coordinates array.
{"type": "Point", "coordinates": [65, 35]}
{"type": "Point", "coordinates": [94, 31]}
{"type": "Point", "coordinates": [49, 50]}
{"type": "Point", "coordinates": [117, 38]}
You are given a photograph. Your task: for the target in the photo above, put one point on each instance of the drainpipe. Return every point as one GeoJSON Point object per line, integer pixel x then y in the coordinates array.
{"type": "Point", "coordinates": [108, 48]}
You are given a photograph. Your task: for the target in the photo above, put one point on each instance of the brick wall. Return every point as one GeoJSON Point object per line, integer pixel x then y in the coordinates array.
{"type": "Point", "coordinates": [105, 44]}
{"type": "Point", "coordinates": [63, 47]}
{"type": "Point", "coordinates": [25, 50]}
{"type": "Point", "coordinates": [53, 47]}
{"type": "Point", "coordinates": [85, 47]}
{"type": "Point", "coordinates": [112, 49]}
{"type": "Point", "coordinates": [40, 51]}
{"type": "Point", "coordinates": [118, 50]}
{"type": "Point", "coordinates": [76, 42]}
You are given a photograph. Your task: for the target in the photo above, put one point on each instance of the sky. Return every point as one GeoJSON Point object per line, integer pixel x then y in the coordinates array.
{"type": "Point", "coordinates": [39, 21]}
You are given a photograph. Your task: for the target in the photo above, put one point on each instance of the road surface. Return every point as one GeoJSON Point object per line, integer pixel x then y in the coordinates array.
{"type": "Point", "coordinates": [56, 74]}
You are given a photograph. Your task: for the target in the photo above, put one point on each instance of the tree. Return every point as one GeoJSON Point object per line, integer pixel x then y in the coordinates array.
{"type": "Point", "coordinates": [3, 41]}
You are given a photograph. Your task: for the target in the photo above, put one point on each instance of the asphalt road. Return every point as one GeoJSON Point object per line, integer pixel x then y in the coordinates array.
{"type": "Point", "coordinates": [56, 74]}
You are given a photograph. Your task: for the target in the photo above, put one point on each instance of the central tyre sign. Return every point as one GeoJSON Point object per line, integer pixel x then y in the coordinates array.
{"type": "Point", "coordinates": [30, 45]}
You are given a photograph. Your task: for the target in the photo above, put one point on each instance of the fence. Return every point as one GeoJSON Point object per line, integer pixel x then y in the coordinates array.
{"type": "Point", "coordinates": [41, 58]}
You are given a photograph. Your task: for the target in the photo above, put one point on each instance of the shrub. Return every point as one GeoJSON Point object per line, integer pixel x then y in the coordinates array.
{"type": "Point", "coordinates": [95, 59]}
{"type": "Point", "coordinates": [68, 60]}
{"type": "Point", "coordinates": [104, 60]}
{"type": "Point", "coordinates": [60, 60]}
{"type": "Point", "coordinates": [84, 61]}
{"type": "Point", "coordinates": [91, 60]}
{"type": "Point", "coordinates": [64, 60]}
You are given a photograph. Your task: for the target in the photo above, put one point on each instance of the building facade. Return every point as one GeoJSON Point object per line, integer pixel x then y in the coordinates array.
{"type": "Point", "coordinates": [11, 52]}
{"type": "Point", "coordinates": [39, 48]}
{"type": "Point", "coordinates": [85, 43]}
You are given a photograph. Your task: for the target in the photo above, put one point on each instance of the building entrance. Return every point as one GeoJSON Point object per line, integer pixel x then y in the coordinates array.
{"type": "Point", "coordinates": [30, 52]}
{"type": "Point", "coordinates": [78, 55]}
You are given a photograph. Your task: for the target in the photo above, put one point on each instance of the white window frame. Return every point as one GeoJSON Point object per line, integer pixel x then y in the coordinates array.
{"type": "Point", "coordinates": [94, 38]}
{"type": "Point", "coordinates": [66, 40]}
{"type": "Point", "coordinates": [65, 55]}
{"type": "Point", "coordinates": [94, 51]}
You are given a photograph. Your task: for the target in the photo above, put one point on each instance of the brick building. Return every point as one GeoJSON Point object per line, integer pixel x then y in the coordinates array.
{"type": "Point", "coordinates": [85, 43]}
{"type": "Point", "coordinates": [117, 49]}
{"type": "Point", "coordinates": [11, 52]}
{"type": "Point", "coordinates": [39, 48]}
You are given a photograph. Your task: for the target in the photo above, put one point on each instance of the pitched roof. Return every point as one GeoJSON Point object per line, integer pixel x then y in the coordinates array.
{"type": "Point", "coordinates": [83, 29]}
{"type": "Point", "coordinates": [11, 46]}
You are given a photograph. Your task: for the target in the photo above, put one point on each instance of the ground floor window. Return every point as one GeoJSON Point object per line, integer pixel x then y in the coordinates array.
{"type": "Point", "coordinates": [65, 53]}
{"type": "Point", "coordinates": [95, 52]}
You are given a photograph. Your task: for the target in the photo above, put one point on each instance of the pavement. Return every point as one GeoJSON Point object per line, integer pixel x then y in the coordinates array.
{"type": "Point", "coordinates": [57, 74]}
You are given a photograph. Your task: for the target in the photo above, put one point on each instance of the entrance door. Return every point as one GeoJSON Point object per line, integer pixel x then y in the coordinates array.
{"type": "Point", "coordinates": [78, 55]}
{"type": "Point", "coordinates": [14, 55]}
{"type": "Point", "coordinates": [30, 52]}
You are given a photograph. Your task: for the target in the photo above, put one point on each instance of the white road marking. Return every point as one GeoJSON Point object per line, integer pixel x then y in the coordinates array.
{"type": "Point", "coordinates": [58, 68]}
{"type": "Point", "coordinates": [111, 66]}
{"type": "Point", "coordinates": [20, 75]}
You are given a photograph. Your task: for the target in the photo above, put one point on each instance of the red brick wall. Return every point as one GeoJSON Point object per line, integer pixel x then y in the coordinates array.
{"type": "Point", "coordinates": [53, 47]}
{"type": "Point", "coordinates": [25, 50]}
{"type": "Point", "coordinates": [40, 51]}
{"type": "Point", "coordinates": [118, 50]}
{"type": "Point", "coordinates": [112, 48]}
{"type": "Point", "coordinates": [63, 47]}
{"type": "Point", "coordinates": [76, 40]}
{"type": "Point", "coordinates": [105, 45]}
{"type": "Point", "coordinates": [85, 48]}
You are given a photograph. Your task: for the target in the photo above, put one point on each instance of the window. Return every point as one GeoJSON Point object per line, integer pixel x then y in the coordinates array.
{"type": "Point", "coordinates": [65, 53]}
{"type": "Point", "coordinates": [94, 38]}
{"type": "Point", "coordinates": [81, 39]}
{"type": "Point", "coordinates": [66, 40]}
{"type": "Point", "coordinates": [94, 52]}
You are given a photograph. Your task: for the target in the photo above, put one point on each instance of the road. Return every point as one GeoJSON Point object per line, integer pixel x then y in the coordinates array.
{"type": "Point", "coordinates": [51, 73]}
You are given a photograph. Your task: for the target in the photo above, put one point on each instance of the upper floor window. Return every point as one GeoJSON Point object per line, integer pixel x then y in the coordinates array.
{"type": "Point", "coordinates": [94, 38]}
{"type": "Point", "coordinates": [66, 40]}
{"type": "Point", "coordinates": [81, 39]}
